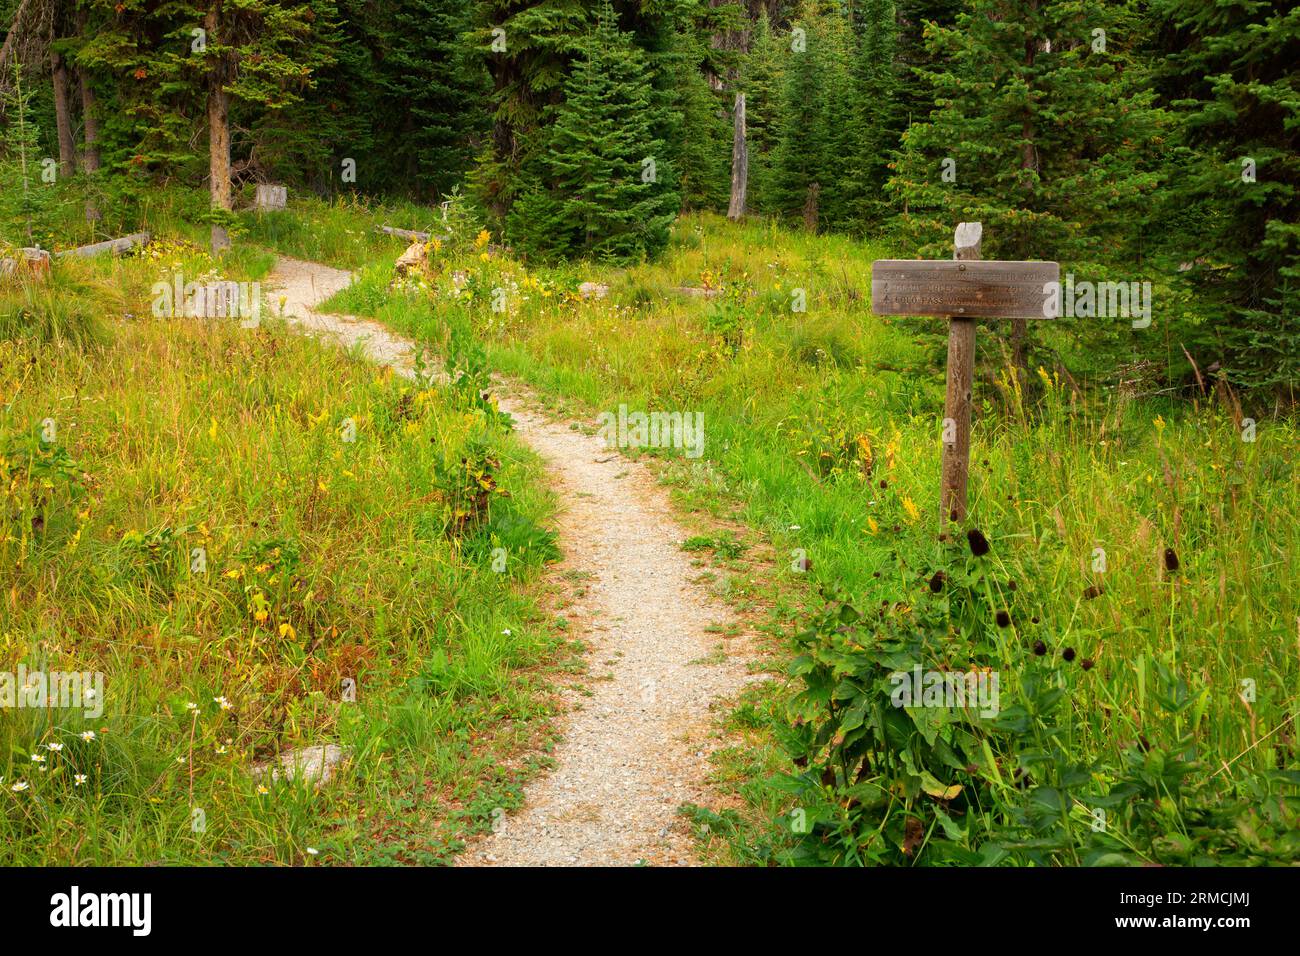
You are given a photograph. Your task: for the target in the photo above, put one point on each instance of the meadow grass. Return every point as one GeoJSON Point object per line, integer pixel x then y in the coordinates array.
{"type": "Point", "coordinates": [1137, 531]}
{"type": "Point", "coordinates": [262, 543]}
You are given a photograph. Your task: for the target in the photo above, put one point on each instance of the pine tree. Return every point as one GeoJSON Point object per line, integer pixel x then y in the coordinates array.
{"type": "Point", "coordinates": [700, 151]}
{"type": "Point", "coordinates": [22, 145]}
{"type": "Point", "coordinates": [603, 190]}
{"type": "Point", "coordinates": [816, 130]}
{"type": "Point", "coordinates": [877, 124]}
{"type": "Point", "coordinates": [1035, 135]}
{"type": "Point", "coordinates": [916, 58]}
{"type": "Point", "coordinates": [528, 45]}
{"type": "Point", "coordinates": [762, 78]}
{"type": "Point", "coordinates": [1039, 135]}
{"type": "Point", "coordinates": [166, 72]}
{"type": "Point", "coordinates": [434, 95]}
{"type": "Point", "coordinates": [1231, 74]}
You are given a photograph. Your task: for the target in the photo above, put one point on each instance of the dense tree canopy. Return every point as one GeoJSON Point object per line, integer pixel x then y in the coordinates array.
{"type": "Point", "coordinates": [1135, 140]}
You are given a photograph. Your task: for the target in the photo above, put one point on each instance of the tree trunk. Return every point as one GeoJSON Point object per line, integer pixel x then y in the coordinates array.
{"type": "Point", "coordinates": [11, 36]}
{"type": "Point", "coordinates": [90, 120]}
{"type": "Point", "coordinates": [810, 207]}
{"type": "Point", "coordinates": [219, 146]}
{"type": "Point", "coordinates": [739, 163]}
{"type": "Point", "coordinates": [63, 115]}
{"type": "Point", "coordinates": [89, 114]}
{"type": "Point", "coordinates": [219, 159]}
{"type": "Point", "coordinates": [218, 134]}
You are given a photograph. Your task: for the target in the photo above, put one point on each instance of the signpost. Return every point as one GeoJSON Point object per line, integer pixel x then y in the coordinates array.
{"type": "Point", "coordinates": [964, 290]}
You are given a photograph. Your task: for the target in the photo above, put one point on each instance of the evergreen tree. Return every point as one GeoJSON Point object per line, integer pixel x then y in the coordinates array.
{"type": "Point", "coordinates": [1039, 135]}
{"type": "Point", "coordinates": [603, 189]}
{"type": "Point", "coordinates": [1231, 73]}
{"type": "Point", "coordinates": [528, 45]}
{"type": "Point", "coordinates": [166, 72]}
{"type": "Point", "coordinates": [877, 124]}
{"type": "Point", "coordinates": [434, 95]}
{"type": "Point", "coordinates": [816, 130]}
{"type": "Point", "coordinates": [762, 79]}
{"type": "Point", "coordinates": [22, 146]}
{"type": "Point", "coordinates": [1035, 135]}
{"type": "Point", "coordinates": [916, 58]}
{"type": "Point", "coordinates": [700, 151]}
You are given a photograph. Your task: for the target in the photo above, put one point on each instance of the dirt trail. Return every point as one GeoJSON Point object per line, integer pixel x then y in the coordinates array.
{"type": "Point", "coordinates": [636, 741]}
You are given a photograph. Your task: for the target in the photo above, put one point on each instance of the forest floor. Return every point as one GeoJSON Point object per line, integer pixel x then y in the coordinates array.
{"type": "Point", "coordinates": [640, 729]}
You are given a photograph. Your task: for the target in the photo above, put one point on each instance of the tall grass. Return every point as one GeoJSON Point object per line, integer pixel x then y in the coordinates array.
{"type": "Point", "coordinates": [235, 526]}
{"type": "Point", "coordinates": [1139, 532]}
{"type": "Point", "coordinates": [1136, 531]}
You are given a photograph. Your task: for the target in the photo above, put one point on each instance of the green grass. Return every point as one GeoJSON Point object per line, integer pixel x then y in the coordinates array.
{"type": "Point", "coordinates": [823, 435]}
{"type": "Point", "coordinates": [323, 561]}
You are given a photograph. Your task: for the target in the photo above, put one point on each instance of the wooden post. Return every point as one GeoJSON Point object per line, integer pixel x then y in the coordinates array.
{"type": "Point", "coordinates": [961, 376]}
{"type": "Point", "coordinates": [963, 291]}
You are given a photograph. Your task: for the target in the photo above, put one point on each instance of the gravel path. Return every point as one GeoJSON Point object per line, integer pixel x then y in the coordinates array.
{"type": "Point", "coordinates": [637, 737]}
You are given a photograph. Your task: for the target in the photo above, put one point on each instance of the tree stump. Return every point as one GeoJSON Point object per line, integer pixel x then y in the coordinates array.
{"type": "Point", "coordinates": [36, 262]}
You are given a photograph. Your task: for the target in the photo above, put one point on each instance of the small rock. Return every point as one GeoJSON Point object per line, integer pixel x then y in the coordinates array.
{"type": "Point", "coordinates": [313, 764]}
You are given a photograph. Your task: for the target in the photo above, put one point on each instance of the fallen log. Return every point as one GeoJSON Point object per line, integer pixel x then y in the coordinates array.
{"type": "Point", "coordinates": [408, 234]}
{"type": "Point", "coordinates": [115, 246]}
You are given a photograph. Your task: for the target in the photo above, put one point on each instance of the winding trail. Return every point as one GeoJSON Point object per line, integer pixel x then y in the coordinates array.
{"type": "Point", "coordinates": [637, 737]}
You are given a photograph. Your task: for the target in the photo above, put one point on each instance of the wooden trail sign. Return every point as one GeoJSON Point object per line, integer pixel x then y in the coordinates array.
{"type": "Point", "coordinates": [965, 289]}
{"type": "Point", "coordinates": [969, 288]}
